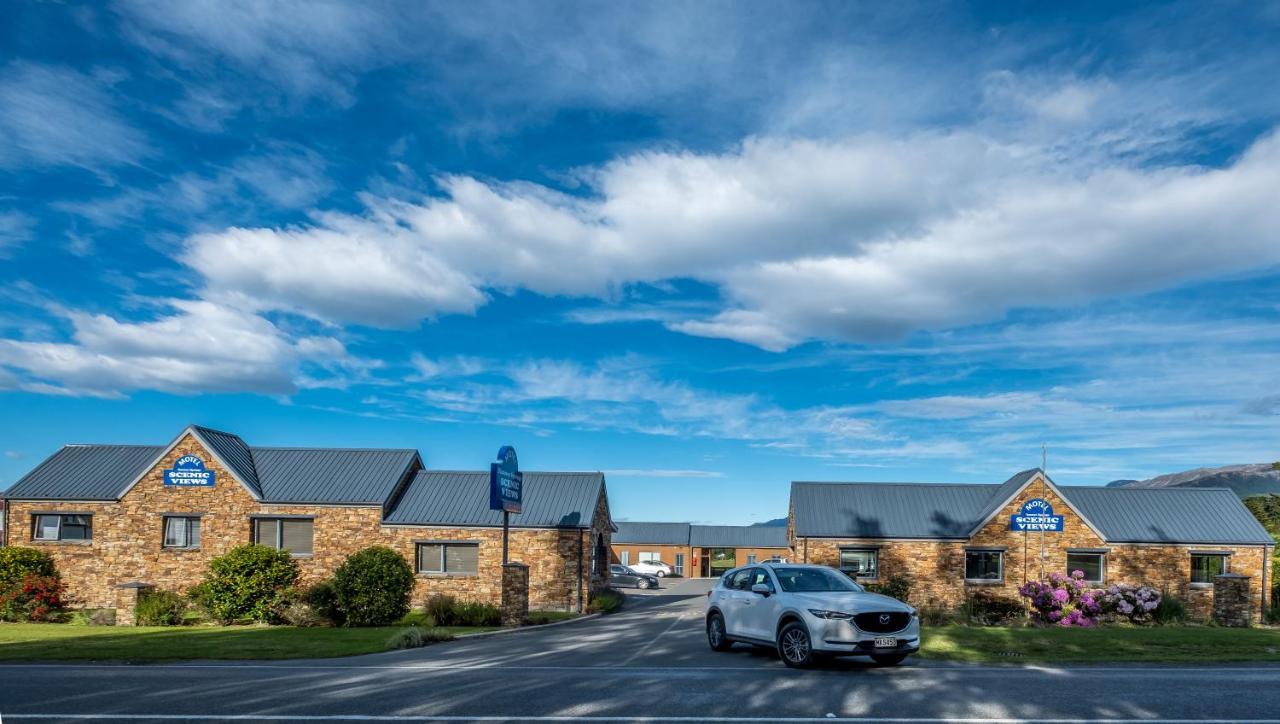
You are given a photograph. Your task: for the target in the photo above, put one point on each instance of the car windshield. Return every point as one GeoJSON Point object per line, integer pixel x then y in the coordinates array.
{"type": "Point", "coordinates": [805, 580]}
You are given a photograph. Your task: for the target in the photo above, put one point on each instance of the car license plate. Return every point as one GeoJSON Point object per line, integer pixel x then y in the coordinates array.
{"type": "Point", "coordinates": [886, 642]}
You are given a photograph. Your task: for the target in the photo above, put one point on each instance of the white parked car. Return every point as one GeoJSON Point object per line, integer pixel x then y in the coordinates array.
{"type": "Point", "coordinates": [652, 568]}
{"type": "Point", "coordinates": [804, 611]}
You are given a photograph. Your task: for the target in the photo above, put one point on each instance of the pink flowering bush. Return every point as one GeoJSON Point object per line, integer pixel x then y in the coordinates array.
{"type": "Point", "coordinates": [1136, 603]}
{"type": "Point", "coordinates": [1064, 600]}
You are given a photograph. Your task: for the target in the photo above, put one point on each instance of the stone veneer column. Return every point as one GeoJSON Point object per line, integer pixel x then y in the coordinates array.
{"type": "Point", "coordinates": [1232, 603]}
{"type": "Point", "coordinates": [515, 594]}
{"type": "Point", "coordinates": [127, 602]}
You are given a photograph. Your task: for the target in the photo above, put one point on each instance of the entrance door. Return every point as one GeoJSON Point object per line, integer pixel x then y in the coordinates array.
{"type": "Point", "coordinates": [704, 564]}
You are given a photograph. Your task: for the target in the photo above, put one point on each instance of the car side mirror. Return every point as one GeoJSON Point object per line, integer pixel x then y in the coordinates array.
{"type": "Point", "coordinates": [761, 589]}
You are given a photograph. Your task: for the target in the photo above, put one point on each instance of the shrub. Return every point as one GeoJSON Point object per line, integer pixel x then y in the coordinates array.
{"type": "Point", "coordinates": [160, 608]}
{"type": "Point", "coordinates": [1134, 603]}
{"type": "Point", "coordinates": [302, 615]}
{"type": "Point", "coordinates": [16, 563]}
{"type": "Point", "coordinates": [442, 608]}
{"type": "Point", "coordinates": [538, 618]}
{"type": "Point", "coordinates": [249, 582]}
{"type": "Point", "coordinates": [478, 614]}
{"type": "Point", "coordinates": [1171, 609]}
{"type": "Point", "coordinates": [419, 618]}
{"type": "Point", "coordinates": [989, 609]}
{"type": "Point", "coordinates": [373, 587]}
{"type": "Point", "coordinates": [323, 600]}
{"type": "Point", "coordinates": [606, 601]}
{"type": "Point", "coordinates": [936, 616]}
{"type": "Point", "coordinates": [414, 637]}
{"type": "Point", "coordinates": [34, 598]}
{"type": "Point", "coordinates": [1063, 600]}
{"type": "Point", "coordinates": [898, 587]}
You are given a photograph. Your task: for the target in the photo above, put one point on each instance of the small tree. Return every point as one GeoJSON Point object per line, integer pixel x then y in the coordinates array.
{"type": "Point", "coordinates": [250, 581]}
{"type": "Point", "coordinates": [17, 563]}
{"type": "Point", "coordinates": [373, 587]}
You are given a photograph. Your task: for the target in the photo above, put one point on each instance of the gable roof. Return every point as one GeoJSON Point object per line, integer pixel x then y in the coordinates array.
{"type": "Point", "coordinates": [461, 497]}
{"type": "Point", "coordinates": [954, 511]}
{"type": "Point", "coordinates": [738, 536]}
{"type": "Point", "coordinates": [272, 475]}
{"type": "Point", "coordinates": [671, 534]}
{"type": "Point", "coordinates": [85, 472]}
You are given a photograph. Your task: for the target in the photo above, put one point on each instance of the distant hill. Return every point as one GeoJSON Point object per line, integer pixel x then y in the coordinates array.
{"type": "Point", "coordinates": [1246, 480]}
{"type": "Point", "coordinates": [775, 523]}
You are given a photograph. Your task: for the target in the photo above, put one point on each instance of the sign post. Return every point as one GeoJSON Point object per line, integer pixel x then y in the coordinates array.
{"type": "Point", "coordinates": [506, 490]}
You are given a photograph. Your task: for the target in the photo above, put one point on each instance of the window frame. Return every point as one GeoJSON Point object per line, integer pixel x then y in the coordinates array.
{"type": "Point", "coordinates": [444, 546]}
{"type": "Point", "coordinates": [1102, 565]}
{"type": "Point", "coordinates": [625, 558]}
{"type": "Point", "coordinates": [1193, 555]}
{"type": "Point", "coordinates": [59, 538]}
{"type": "Point", "coordinates": [984, 581]}
{"type": "Point", "coordinates": [677, 568]}
{"type": "Point", "coordinates": [875, 562]}
{"type": "Point", "coordinates": [164, 531]}
{"type": "Point", "coordinates": [279, 521]}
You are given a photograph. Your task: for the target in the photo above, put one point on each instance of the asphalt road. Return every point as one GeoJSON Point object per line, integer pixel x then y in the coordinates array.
{"type": "Point", "coordinates": [647, 663]}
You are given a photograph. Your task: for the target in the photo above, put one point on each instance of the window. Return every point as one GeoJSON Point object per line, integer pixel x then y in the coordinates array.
{"type": "Point", "coordinates": [646, 556]}
{"type": "Point", "coordinates": [459, 559]}
{"type": "Point", "coordinates": [723, 558]}
{"type": "Point", "coordinates": [860, 562]}
{"type": "Point", "coordinates": [287, 534]}
{"type": "Point", "coordinates": [751, 559]}
{"type": "Point", "coordinates": [181, 532]}
{"type": "Point", "coordinates": [1093, 565]}
{"type": "Point", "coordinates": [759, 576]}
{"type": "Point", "coordinates": [984, 565]}
{"type": "Point", "coordinates": [813, 580]}
{"type": "Point", "coordinates": [678, 568]}
{"type": "Point", "coordinates": [1204, 566]}
{"type": "Point", "coordinates": [625, 557]}
{"type": "Point", "coordinates": [63, 527]}
{"type": "Point", "coordinates": [741, 580]}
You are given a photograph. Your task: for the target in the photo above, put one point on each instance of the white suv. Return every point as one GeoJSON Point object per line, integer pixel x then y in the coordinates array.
{"type": "Point", "coordinates": [652, 568]}
{"type": "Point", "coordinates": [803, 611]}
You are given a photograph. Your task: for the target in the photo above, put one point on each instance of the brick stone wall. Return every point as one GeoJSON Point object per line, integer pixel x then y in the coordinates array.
{"type": "Point", "coordinates": [1232, 603]}
{"type": "Point", "coordinates": [127, 541]}
{"type": "Point", "coordinates": [936, 568]}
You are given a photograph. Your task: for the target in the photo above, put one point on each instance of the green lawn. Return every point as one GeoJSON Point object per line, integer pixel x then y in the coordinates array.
{"type": "Point", "coordinates": [48, 642]}
{"type": "Point", "coordinates": [1184, 644]}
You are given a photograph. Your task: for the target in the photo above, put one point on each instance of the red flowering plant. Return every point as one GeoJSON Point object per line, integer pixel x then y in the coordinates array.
{"type": "Point", "coordinates": [1063, 600]}
{"type": "Point", "coordinates": [34, 598]}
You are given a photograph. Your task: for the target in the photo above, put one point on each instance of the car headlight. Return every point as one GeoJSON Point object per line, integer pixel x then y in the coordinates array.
{"type": "Point", "coordinates": [830, 615]}
{"type": "Point", "coordinates": [915, 613]}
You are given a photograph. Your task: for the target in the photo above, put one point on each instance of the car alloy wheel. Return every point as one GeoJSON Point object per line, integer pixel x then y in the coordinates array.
{"type": "Point", "coordinates": [642, 584]}
{"type": "Point", "coordinates": [661, 574]}
{"type": "Point", "coordinates": [715, 633]}
{"type": "Point", "coordinates": [794, 645]}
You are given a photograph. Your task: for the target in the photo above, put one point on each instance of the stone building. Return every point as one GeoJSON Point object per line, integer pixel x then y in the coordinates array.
{"type": "Point", "coordinates": [951, 541]}
{"type": "Point", "coordinates": [698, 550]}
{"type": "Point", "coordinates": [114, 514]}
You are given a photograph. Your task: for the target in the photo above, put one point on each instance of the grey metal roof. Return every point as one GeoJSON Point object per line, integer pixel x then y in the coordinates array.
{"type": "Point", "coordinates": [461, 497]}
{"type": "Point", "coordinates": [738, 536]}
{"type": "Point", "coordinates": [234, 452]}
{"type": "Point", "coordinates": [1168, 515]}
{"type": "Point", "coordinates": [283, 475]}
{"type": "Point", "coordinates": [668, 534]}
{"type": "Point", "coordinates": [926, 510]}
{"type": "Point", "coordinates": [330, 475]}
{"type": "Point", "coordinates": [85, 472]}
{"type": "Point", "coordinates": [888, 510]}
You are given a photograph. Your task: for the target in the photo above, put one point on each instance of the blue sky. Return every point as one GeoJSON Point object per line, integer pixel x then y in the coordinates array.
{"type": "Point", "coordinates": [708, 248]}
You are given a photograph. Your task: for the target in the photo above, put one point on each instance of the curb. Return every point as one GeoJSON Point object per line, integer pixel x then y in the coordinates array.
{"type": "Point", "coordinates": [518, 629]}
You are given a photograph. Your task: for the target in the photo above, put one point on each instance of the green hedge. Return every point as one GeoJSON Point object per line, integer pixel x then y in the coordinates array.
{"type": "Point", "coordinates": [160, 608]}
{"type": "Point", "coordinates": [373, 587]}
{"type": "Point", "coordinates": [249, 582]}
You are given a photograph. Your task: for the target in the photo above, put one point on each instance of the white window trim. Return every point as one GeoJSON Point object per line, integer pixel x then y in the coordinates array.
{"type": "Point", "coordinates": [164, 532]}
{"type": "Point", "coordinates": [625, 558]}
{"type": "Point", "coordinates": [984, 581]}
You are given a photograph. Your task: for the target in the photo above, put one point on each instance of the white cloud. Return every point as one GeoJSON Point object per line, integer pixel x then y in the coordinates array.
{"type": "Point", "coordinates": [200, 347]}
{"type": "Point", "coordinates": [863, 239]}
{"type": "Point", "coordinates": [54, 116]}
{"type": "Point", "coordinates": [15, 228]}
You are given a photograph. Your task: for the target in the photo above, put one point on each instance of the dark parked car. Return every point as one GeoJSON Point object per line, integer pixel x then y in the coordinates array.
{"type": "Point", "coordinates": [627, 576]}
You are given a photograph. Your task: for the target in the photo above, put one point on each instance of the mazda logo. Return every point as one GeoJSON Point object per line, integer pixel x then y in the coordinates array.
{"type": "Point", "coordinates": [884, 618]}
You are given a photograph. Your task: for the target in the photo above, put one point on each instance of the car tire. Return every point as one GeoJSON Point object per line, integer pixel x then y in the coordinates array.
{"type": "Point", "coordinates": [660, 574]}
{"type": "Point", "coordinates": [716, 636]}
{"type": "Point", "coordinates": [888, 659]}
{"type": "Point", "coordinates": [642, 584]}
{"type": "Point", "coordinates": [795, 647]}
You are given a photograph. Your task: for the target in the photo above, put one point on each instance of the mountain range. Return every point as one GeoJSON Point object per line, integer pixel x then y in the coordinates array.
{"type": "Point", "coordinates": [1246, 480]}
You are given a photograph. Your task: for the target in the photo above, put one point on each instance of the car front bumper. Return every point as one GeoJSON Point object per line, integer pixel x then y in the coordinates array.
{"type": "Point", "coordinates": [842, 637]}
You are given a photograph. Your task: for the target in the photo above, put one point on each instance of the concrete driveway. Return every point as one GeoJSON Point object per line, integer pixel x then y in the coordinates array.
{"type": "Point", "coordinates": [648, 663]}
